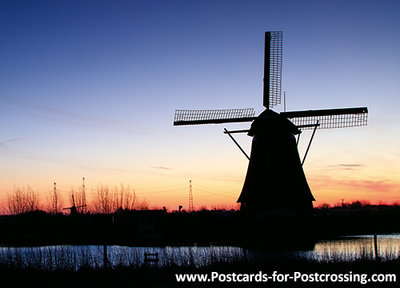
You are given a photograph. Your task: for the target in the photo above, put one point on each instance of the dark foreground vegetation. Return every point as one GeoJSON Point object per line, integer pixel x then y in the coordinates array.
{"type": "Point", "coordinates": [154, 276]}
{"type": "Point", "coordinates": [157, 227]}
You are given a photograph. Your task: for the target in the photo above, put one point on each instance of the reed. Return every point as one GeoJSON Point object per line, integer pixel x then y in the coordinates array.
{"type": "Point", "coordinates": [72, 258]}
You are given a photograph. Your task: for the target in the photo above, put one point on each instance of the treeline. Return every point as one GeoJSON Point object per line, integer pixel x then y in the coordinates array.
{"type": "Point", "coordinates": [107, 200]}
{"type": "Point", "coordinates": [104, 200]}
{"type": "Point", "coordinates": [356, 206]}
{"type": "Point", "coordinates": [359, 217]}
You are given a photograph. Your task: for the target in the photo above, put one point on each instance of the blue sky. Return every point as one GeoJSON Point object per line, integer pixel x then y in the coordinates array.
{"type": "Point", "coordinates": [89, 88]}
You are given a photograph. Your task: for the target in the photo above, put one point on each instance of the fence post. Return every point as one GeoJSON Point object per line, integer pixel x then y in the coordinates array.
{"type": "Point", "coordinates": [376, 247]}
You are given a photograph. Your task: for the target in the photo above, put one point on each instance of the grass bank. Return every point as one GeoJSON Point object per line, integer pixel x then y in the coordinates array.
{"type": "Point", "coordinates": [19, 274]}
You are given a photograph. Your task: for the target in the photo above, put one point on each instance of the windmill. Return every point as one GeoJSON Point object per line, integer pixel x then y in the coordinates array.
{"type": "Point", "coordinates": [74, 209]}
{"type": "Point", "coordinates": [275, 182]}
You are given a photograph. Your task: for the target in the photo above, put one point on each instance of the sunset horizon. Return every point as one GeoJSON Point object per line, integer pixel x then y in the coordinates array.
{"type": "Point", "coordinates": [89, 90]}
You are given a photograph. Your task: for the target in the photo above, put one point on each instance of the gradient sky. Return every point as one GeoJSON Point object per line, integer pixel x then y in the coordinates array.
{"type": "Point", "coordinates": [89, 89]}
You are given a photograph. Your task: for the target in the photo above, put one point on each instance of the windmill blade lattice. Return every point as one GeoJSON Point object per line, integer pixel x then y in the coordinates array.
{"type": "Point", "coordinates": [197, 117]}
{"type": "Point", "coordinates": [272, 69]}
{"type": "Point", "coordinates": [329, 118]}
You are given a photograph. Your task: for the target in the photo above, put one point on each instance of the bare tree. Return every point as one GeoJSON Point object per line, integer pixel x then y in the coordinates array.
{"type": "Point", "coordinates": [142, 205]}
{"type": "Point", "coordinates": [3, 207]}
{"type": "Point", "coordinates": [108, 200]}
{"type": "Point", "coordinates": [103, 200]}
{"type": "Point", "coordinates": [22, 201]}
{"type": "Point", "coordinates": [125, 198]}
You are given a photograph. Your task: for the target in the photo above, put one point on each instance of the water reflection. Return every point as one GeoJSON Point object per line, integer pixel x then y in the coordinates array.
{"type": "Point", "coordinates": [75, 257]}
{"type": "Point", "coordinates": [356, 247]}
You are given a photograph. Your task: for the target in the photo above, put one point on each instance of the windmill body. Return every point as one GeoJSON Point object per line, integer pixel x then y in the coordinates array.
{"type": "Point", "coordinates": [275, 182]}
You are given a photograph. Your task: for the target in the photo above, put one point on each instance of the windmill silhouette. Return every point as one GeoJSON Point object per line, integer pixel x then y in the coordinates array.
{"type": "Point", "coordinates": [275, 182]}
{"type": "Point", "coordinates": [74, 209]}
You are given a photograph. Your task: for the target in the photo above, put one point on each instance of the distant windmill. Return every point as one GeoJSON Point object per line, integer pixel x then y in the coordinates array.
{"type": "Point", "coordinates": [74, 209]}
{"type": "Point", "coordinates": [275, 183]}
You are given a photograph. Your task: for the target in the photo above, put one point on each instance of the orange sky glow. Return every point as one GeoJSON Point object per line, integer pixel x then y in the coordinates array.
{"type": "Point", "coordinates": [98, 100]}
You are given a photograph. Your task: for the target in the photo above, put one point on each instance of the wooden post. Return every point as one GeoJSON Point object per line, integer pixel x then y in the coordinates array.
{"type": "Point", "coordinates": [376, 247]}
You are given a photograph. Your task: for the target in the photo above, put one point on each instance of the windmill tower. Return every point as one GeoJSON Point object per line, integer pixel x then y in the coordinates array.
{"type": "Point", "coordinates": [275, 182]}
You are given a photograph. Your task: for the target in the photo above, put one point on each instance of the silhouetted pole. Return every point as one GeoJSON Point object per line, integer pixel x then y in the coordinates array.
{"type": "Point", "coordinates": [237, 144]}
{"type": "Point", "coordinates": [298, 139]}
{"type": "Point", "coordinates": [190, 197]}
{"type": "Point", "coordinates": [376, 247]}
{"type": "Point", "coordinates": [55, 199]}
{"type": "Point", "coordinates": [309, 144]}
{"type": "Point", "coordinates": [83, 196]}
{"type": "Point", "coordinates": [284, 101]}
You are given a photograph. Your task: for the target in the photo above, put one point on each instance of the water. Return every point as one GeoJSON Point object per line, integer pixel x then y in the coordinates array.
{"type": "Point", "coordinates": [356, 247]}
{"type": "Point", "coordinates": [75, 257]}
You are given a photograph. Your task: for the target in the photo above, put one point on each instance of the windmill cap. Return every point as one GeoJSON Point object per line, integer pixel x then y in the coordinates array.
{"type": "Point", "coordinates": [271, 122]}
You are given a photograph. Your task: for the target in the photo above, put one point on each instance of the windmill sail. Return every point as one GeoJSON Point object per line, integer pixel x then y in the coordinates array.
{"type": "Point", "coordinates": [329, 118]}
{"type": "Point", "coordinates": [272, 69]}
{"type": "Point", "coordinates": [197, 117]}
